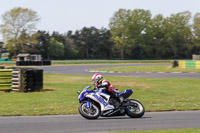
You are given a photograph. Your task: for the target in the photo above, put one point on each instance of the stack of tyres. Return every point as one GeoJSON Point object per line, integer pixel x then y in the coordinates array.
{"type": "Point", "coordinates": [28, 80]}
{"type": "Point", "coordinates": [38, 79]}
{"type": "Point", "coordinates": [2, 67]}
{"type": "Point", "coordinates": [175, 63]}
{"type": "Point", "coordinates": [5, 79]}
{"type": "Point", "coordinates": [32, 80]}
{"type": "Point", "coordinates": [46, 62]}
{"type": "Point", "coordinates": [33, 63]}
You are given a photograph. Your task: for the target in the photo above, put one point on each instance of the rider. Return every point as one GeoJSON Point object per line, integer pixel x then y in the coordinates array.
{"type": "Point", "coordinates": [100, 83]}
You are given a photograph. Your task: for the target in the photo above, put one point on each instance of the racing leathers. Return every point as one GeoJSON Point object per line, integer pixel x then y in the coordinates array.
{"type": "Point", "coordinates": [110, 89]}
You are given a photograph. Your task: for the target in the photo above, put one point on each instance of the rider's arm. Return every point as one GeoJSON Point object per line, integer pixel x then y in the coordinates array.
{"type": "Point", "coordinates": [104, 84]}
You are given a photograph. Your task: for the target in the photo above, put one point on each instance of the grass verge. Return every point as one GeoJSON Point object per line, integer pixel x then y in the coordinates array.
{"type": "Point", "coordinates": [155, 94]}
{"type": "Point", "coordinates": [182, 130]}
{"type": "Point", "coordinates": [108, 61]}
{"type": "Point", "coordinates": [150, 68]}
{"type": "Point", "coordinates": [67, 62]}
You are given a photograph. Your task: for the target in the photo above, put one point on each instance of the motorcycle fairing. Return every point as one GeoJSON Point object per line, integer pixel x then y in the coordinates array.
{"type": "Point", "coordinates": [103, 103]}
{"type": "Point", "coordinates": [98, 97]}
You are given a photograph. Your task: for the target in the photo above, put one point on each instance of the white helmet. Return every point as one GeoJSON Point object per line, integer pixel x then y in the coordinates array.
{"type": "Point", "coordinates": [97, 78]}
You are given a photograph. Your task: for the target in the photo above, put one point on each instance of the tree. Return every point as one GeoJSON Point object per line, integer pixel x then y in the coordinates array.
{"type": "Point", "coordinates": [104, 47]}
{"type": "Point", "coordinates": [1, 48]}
{"type": "Point", "coordinates": [154, 38]}
{"type": "Point", "coordinates": [16, 22]}
{"type": "Point", "coordinates": [70, 48]}
{"type": "Point", "coordinates": [178, 35]}
{"type": "Point", "coordinates": [42, 47]}
{"type": "Point", "coordinates": [196, 29]}
{"type": "Point", "coordinates": [87, 39]}
{"type": "Point", "coordinates": [56, 49]}
{"type": "Point", "coordinates": [23, 44]}
{"type": "Point", "coordinates": [137, 30]}
{"type": "Point", "coordinates": [128, 29]}
{"type": "Point", "coordinates": [119, 29]}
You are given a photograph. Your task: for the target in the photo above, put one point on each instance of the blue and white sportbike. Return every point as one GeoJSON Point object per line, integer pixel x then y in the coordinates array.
{"type": "Point", "coordinates": [95, 103]}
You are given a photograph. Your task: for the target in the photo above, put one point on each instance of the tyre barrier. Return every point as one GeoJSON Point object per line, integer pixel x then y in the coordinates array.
{"type": "Point", "coordinates": [186, 64]}
{"type": "Point", "coordinates": [5, 79]}
{"type": "Point", "coordinates": [2, 67]}
{"type": "Point", "coordinates": [175, 63]}
{"type": "Point", "coordinates": [21, 79]}
{"type": "Point", "coordinates": [33, 63]}
{"type": "Point", "coordinates": [26, 79]}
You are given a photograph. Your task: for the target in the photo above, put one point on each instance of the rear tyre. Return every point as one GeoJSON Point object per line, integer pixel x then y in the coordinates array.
{"type": "Point", "coordinates": [136, 110]}
{"type": "Point", "coordinates": [92, 112]}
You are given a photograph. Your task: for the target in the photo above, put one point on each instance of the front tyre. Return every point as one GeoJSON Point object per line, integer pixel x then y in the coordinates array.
{"type": "Point", "coordinates": [92, 112]}
{"type": "Point", "coordinates": [136, 110]}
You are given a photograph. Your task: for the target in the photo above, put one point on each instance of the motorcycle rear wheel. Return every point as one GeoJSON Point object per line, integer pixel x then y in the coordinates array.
{"type": "Point", "coordinates": [135, 111]}
{"type": "Point", "coordinates": [92, 112]}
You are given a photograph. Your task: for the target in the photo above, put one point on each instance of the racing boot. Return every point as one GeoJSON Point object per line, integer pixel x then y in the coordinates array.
{"type": "Point", "coordinates": [119, 98]}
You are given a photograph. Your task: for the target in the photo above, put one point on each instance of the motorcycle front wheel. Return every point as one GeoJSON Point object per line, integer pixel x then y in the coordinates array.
{"type": "Point", "coordinates": [136, 110]}
{"type": "Point", "coordinates": [92, 112]}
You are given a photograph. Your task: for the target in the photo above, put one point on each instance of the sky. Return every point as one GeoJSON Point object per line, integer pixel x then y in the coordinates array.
{"type": "Point", "coordinates": [65, 15]}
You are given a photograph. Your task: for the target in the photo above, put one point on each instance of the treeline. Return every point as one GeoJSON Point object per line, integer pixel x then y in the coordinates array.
{"type": "Point", "coordinates": [133, 34]}
{"type": "Point", "coordinates": [140, 36]}
{"type": "Point", "coordinates": [87, 43]}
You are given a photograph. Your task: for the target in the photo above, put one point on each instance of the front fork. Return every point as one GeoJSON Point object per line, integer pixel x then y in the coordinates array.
{"type": "Point", "coordinates": [88, 104]}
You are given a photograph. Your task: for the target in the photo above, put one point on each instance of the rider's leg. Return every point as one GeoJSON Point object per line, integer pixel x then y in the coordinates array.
{"type": "Point", "coordinates": [119, 98]}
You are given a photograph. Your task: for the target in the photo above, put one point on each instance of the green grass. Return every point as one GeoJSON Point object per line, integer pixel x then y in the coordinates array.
{"type": "Point", "coordinates": [67, 62]}
{"type": "Point", "coordinates": [108, 61]}
{"type": "Point", "coordinates": [155, 94]}
{"type": "Point", "coordinates": [7, 63]}
{"type": "Point", "coordinates": [150, 68]}
{"type": "Point", "coordinates": [182, 130]}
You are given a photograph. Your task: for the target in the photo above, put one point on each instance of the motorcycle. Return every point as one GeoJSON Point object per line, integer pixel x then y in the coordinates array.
{"type": "Point", "coordinates": [95, 103]}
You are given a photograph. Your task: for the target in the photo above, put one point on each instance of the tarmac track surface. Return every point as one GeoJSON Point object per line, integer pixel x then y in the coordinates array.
{"type": "Point", "coordinates": [82, 70]}
{"type": "Point", "coordinates": [77, 124]}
